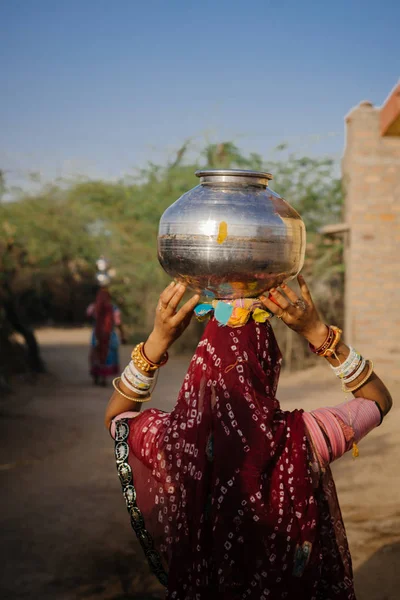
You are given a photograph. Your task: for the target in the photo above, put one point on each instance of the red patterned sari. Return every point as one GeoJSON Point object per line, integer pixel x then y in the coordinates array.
{"type": "Point", "coordinates": [221, 492]}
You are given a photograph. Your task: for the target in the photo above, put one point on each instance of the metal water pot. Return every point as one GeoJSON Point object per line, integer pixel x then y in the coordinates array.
{"type": "Point", "coordinates": [231, 236]}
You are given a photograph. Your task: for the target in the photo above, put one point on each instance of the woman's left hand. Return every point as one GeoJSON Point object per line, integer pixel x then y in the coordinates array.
{"type": "Point", "coordinates": [300, 314]}
{"type": "Point", "coordinates": [169, 323]}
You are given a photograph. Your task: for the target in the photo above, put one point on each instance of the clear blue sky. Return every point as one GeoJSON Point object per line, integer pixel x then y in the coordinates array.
{"type": "Point", "coordinates": [100, 87]}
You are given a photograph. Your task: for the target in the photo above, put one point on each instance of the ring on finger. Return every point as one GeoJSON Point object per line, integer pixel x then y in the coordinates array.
{"type": "Point", "coordinates": [301, 304]}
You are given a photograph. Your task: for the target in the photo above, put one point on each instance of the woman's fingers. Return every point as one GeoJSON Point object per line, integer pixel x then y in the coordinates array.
{"type": "Point", "coordinates": [186, 309]}
{"type": "Point", "coordinates": [305, 292]}
{"type": "Point", "coordinates": [167, 294]}
{"type": "Point", "coordinates": [180, 290]}
{"type": "Point", "coordinates": [271, 306]}
{"type": "Point", "coordinates": [279, 299]}
{"type": "Point", "coordinates": [293, 297]}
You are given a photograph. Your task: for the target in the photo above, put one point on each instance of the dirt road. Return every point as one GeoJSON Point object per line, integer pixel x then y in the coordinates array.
{"type": "Point", "coordinates": [65, 533]}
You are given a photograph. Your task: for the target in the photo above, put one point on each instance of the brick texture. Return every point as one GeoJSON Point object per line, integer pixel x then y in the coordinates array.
{"type": "Point", "coordinates": [371, 176]}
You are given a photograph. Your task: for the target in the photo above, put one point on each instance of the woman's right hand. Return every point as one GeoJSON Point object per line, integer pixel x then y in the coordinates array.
{"type": "Point", "coordinates": [300, 314]}
{"type": "Point", "coordinates": [169, 324]}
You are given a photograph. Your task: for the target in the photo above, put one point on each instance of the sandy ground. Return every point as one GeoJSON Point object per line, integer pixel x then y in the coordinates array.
{"type": "Point", "coordinates": [65, 533]}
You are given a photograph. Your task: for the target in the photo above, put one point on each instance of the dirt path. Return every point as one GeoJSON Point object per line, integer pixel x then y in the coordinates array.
{"type": "Point", "coordinates": [65, 533]}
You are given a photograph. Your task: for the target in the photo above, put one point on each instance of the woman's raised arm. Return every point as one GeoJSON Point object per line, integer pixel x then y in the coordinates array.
{"type": "Point", "coordinates": [301, 315]}
{"type": "Point", "coordinates": [169, 324]}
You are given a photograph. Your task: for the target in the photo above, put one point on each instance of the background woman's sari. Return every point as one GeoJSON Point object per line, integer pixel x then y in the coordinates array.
{"type": "Point", "coordinates": [104, 354]}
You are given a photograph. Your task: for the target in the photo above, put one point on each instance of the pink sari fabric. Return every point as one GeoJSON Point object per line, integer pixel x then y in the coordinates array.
{"type": "Point", "coordinates": [333, 430]}
{"type": "Point", "coordinates": [220, 491]}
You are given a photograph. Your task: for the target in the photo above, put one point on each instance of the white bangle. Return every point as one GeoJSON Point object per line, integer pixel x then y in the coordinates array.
{"type": "Point", "coordinates": [348, 370]}
{"type": "Point", "coordinates": [138, 374]}
{"type": "Point", "coordinates": [349, 363]}
{"type": "Point", "coordinates": [139, 386]}
{"type": "Point", "coordinates": [135, 381]}
{"type": "Point", "coordinates": [133, 388]}
{"type": "Point", "coordinates": [357, 373]}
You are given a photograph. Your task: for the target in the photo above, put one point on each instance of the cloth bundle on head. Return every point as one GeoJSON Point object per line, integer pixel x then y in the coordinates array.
{"type": "Point", "coordinates": [234, 313]}
{"type": "Point", "coordinates": [220, 491]}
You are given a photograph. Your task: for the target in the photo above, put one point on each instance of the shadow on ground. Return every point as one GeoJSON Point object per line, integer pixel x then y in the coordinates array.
{"type": "Point", "coordinates": [379, 577]}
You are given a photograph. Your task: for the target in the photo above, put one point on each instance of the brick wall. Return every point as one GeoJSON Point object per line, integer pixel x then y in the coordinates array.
{"type": "Point", "coordinates": [371, 175]}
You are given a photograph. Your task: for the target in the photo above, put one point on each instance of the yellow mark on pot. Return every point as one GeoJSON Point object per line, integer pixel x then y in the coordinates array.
{"type": "Point", "coordinates": [223, 232]}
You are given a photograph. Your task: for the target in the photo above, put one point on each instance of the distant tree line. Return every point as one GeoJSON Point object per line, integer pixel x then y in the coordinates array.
{"type": "Point", "coordinates": [50, 240]}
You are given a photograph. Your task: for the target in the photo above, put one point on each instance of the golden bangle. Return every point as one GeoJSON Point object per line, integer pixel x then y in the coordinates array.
{"type": "Point", "coordinates": [332, 347]}
{"type": "Point", "coordinates": [142, 362]}
{"type": "Point", "coordinates": [138, 400]}
{"type": "Point", "coordinates": [139, 361]}
{"type": "Point", "coordinates": [363, 381]}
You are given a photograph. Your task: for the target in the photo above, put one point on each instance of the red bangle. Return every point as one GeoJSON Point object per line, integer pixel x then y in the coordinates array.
{"type": "Point", "coordinates": [328, 340]}
{"type": "Point", "coordinates": [329, 346]}
{"type": "Point", "coordinates": [336, 339]}
{"type": "Point", "coordinates": [164, 359]}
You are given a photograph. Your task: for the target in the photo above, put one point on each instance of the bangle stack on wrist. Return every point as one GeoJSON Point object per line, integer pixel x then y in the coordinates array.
{"type": "Point", "coordinates": [370, 367]}
{"type": "Point", "coordinates": [131, 398]}
{"type": "Point", "coordinates": [135, 380]}
{"type": "Point", "coordinates": [140, 384]}
{"type": "Point", "coordinates": [352, 368]}
{"type": "Point", "coordinates": [349, 371]}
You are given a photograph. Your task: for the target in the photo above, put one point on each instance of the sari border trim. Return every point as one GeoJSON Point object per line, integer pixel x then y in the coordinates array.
{"type": "Point", "coordinates": [125, 475]}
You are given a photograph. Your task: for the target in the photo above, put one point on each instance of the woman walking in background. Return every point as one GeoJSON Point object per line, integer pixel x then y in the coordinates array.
{"type": "Point", "coordinates": [104, 351]}
{"type": "Point", "coordinates": [231, 497]}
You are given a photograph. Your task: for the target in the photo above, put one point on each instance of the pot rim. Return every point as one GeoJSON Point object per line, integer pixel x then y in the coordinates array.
{"type": "Point", "coordinates": [233, 176]}
{"type": "Point", "coordinates": [233, 173]}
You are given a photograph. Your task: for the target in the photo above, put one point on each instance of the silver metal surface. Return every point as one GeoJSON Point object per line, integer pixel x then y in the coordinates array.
{"type": "Point", "coordinates": [231, 236]}
{"type": "Point", "coordinates": [235, 176]}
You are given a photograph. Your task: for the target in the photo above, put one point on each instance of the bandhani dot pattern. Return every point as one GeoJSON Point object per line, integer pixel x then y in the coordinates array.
{"type": "Point", "coordinates": [222, 492]}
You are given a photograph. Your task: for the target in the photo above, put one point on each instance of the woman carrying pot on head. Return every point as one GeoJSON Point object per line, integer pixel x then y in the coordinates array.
{"type": "Point", "coordinates": [104, 345]}
{"type": "Point", "coordinates": [231, 497]}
